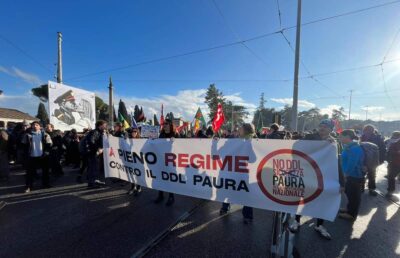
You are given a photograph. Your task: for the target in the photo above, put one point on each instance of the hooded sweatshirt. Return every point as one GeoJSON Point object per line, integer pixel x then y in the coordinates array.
{"type": "Point", "coordinates": [353, 160]}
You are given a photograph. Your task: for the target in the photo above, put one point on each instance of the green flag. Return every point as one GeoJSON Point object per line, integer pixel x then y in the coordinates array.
{"type": "Point", "coordinates": [199, 120]}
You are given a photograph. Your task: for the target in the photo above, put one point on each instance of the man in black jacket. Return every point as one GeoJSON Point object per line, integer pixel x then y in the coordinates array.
{"type": "Point", "coordinates": [95, 152]}
{"type": "Point", "coordinates": [325, 129]}
{"type": "Point", "coordinates": [371, 135]}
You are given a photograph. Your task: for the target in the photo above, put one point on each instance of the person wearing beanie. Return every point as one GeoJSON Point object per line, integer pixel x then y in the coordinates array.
{"type": "Point", "coordinates": [323, 133]}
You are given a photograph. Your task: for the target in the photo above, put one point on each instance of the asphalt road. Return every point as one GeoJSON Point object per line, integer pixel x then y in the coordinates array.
{"type": "Point", "coordinates": [70, 221]}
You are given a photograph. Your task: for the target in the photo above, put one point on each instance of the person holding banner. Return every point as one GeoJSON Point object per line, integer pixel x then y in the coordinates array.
{"type": "Point", "coordinates": [168, 131]}
{"type": "Point", "coordinates": [119, 131]}
{"type": "Point", "coordinates": [95, 152]}
{"type": "Point", "coordinates": [134, 133]}
{"type": "Point", "coordinates": [323, 133]}
{"type": "Point", "coordinates": [247, 132]}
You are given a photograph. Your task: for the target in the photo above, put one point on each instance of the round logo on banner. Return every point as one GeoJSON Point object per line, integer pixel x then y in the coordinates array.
{"type": "Point", "coordinates": [289, 177]}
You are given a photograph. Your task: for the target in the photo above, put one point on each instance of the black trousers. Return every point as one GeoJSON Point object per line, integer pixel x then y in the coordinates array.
{"type": "Point", "coordinates": [353, 193]}
{"type": "Point", "coordinates": [35, 163]}
{"type": "Point", "coordinates": [393, 171]}
{"type": "Point", "coordinates": [371, 175]}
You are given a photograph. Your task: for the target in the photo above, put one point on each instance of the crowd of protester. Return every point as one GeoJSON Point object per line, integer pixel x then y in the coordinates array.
{"type": "Point", "coordinates": [35, 147]}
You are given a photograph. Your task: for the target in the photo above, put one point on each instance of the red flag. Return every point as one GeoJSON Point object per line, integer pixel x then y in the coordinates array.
{"type": "Point", "coordinates": [338, 127]}
{"type": "Point", "coordinates": [162, 115]}
{"type": "Point", "coordinates": [219, 118]}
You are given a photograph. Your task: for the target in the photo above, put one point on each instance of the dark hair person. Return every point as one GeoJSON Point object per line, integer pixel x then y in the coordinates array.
{"type": "Point", "coordinates": [247, 132]}
{"type": "Point", "coordinates": [168, 131]}
{"type": "Point", "coordinates": [134, 133]}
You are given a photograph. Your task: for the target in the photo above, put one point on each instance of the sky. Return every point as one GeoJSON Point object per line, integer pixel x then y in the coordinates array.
{"type": "Point", "coordinates": [155, 51]}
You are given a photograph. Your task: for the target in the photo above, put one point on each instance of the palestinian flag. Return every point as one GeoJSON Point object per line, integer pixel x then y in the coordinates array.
{"type": "Point", "coordinates": [122, 119]}
{"type": "Point", "coordinates": [199, 120]}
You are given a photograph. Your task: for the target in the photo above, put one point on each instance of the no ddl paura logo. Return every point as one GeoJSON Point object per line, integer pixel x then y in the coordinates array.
{"type": "Point", "coordinates": [289, 177]}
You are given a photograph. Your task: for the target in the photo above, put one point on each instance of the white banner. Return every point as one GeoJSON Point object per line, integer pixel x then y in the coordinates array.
{"type": "Point", "coordinates": [289, 176]}
{"type": "Point", "coordinates": [71, 108]}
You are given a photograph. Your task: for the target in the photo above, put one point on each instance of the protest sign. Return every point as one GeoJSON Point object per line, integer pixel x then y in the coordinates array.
{"type": "Point", "coordinates": [149, 131]}
{"type": "Point", "coordinates": [289, 176]}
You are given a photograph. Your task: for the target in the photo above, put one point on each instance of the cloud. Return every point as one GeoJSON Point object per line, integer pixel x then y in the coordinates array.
{"type": "Point", "coordinates": [18, 73]}
{"type": "Point", "coordinates": [236, 99]}
{"type": "Point", "coordinates": [372, 108]}
{"type": "Point", "coordinates": [328, 109]}
{"type": "Point", "coordinates": [25, 102]}
{"type": "Point", "coordinates": [184, 104]}
{"type": "Point", "coordinates": [289, 101]}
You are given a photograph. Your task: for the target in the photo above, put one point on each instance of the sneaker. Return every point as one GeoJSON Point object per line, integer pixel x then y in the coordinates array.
{"type": "Point", "coordinates": [372, 192]}
{"type": "Point", "coordinates": [170, 201]}
{"type": "Point", "coordinates": [137, 191]}
{"type": "Point", "coordinates": [28, 190]}
{"type": "Point", "coordinates": [346, 216]}
{"type": "Point", "coordinates": [323, 232]}
{"type": "Point", "coordinates": [342, 210]}
{"type": "Point", "coordinates": [294, 227]}
{"type": "Point", "coordinates": [101, 183]}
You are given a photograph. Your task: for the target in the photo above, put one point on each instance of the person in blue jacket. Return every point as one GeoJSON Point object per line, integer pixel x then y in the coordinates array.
{"type": "Point", "coordinates": [353, 170]}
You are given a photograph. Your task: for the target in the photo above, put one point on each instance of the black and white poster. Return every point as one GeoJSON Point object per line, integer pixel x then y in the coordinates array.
{"type": "Point", "coordinates": [70, 107]}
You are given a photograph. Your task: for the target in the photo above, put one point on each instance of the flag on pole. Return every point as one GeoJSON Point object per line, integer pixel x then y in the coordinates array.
{"type": "Point", "coordinates": [133, 124]}
{"type": "Point", "coordinates": [219, 118]}
{"type": "Point", "coordinates": [199, 120]}
{"type": "Point", "coordinates": [162, 115]}
{"type": "Point", "coordinates": [338, 127]}
{"type": "Point", "coordinates": [141, 117]}
{"type": "Point", "coordinates": [122, 119]}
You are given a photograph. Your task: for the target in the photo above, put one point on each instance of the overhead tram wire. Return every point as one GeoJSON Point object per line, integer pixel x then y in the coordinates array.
{"type": "Point", "coordinates": [25, 54]}
{"type": "Point", "coordinates": [156, 60]}
{"type": "Point", "coordinates": [345, 14]}
{"type": "Point", "coordinates": [350, 69]}
{"type": "Point", "coordinates": [356, 95]}
{"type": "Point", "coordinates": [382, 71]}
{"type": "Point", "coordinates": [307, 70]}
{"type": "Point", "coordinates": [227, 24]}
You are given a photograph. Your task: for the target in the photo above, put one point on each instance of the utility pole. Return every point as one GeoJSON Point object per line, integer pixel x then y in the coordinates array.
{"type": "Point", "coordinates": [296, 69]}
{"type": "Point", "coordinates": [351, 95]}
{"type": "Point", "coordinates": [59, 61]}
{"type": "Point", "coordinates": [366, 113]}
{"type": "Point", "coordinates": [110, 104]}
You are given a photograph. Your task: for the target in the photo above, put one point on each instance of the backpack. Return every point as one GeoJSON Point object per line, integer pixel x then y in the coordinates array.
{"type": "Point", "coordinates": [371, 155]}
